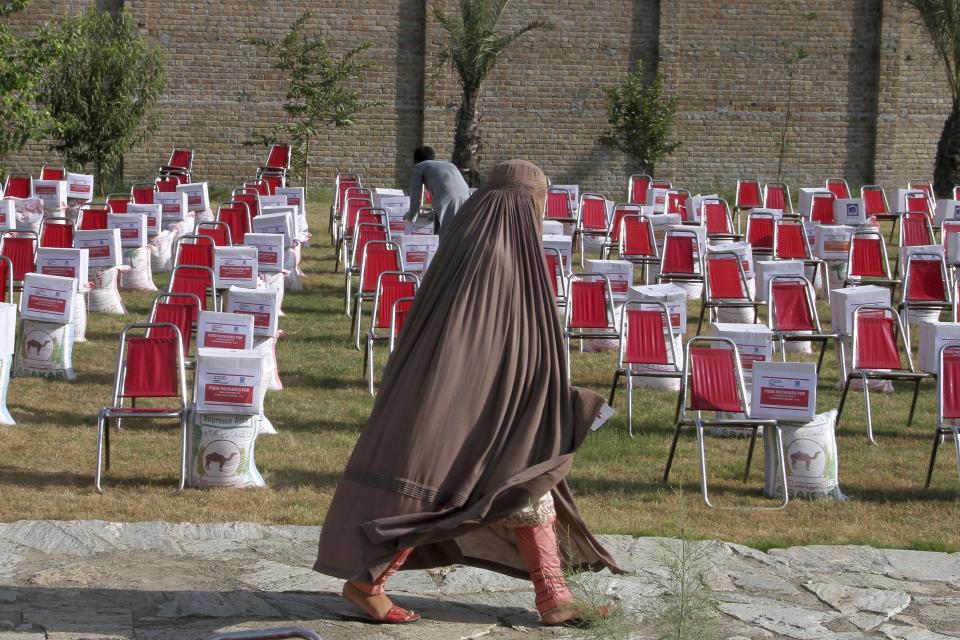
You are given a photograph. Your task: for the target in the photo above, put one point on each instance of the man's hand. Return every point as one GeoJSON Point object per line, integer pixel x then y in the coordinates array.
{"type": "Point", "coordinates": [411, 217]}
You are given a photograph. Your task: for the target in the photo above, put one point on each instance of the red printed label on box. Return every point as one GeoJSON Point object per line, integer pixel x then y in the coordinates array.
{"type": "Point", "coordinates": [171, 207]}
{"type": "Point", "coordinates": [56, 270]}
{"type": "Point", "coordinates": [836, 246]}
{"type": "Point", "coordinates": [779, 397]}
{"type": "Point", "coordinates": [417, 257]}
{"type": "Point", "coordinates": [194, 198]}
{"type": "Point", "coordinates": [79, 187]}
{"type": "Point", "coordinates": [45, 304]}
{"type": "Point", "coordinates": [228, 394]}
{"type": "Point", "coordinates": [618, 286]}
{"type": "Point", "coordinates": [260, 319]}
{"type": "Point", "coordinates": [223, 340]}
{"type": "Point", "coordinates": [45, 189]}
{"type": "Point", "coordinates": [675, 320]}
{"type": "Point", "coordinates": [101, 251]}
{"type": "Point", "coordinates": [235, 272]}
{"type": "Point", "coordinates": [129, 234]}
{"type": "Point", "coordinates": [268, 257]}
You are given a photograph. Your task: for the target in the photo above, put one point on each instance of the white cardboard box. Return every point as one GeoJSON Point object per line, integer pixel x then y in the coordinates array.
{"type": "Point", "coordinates": [657, 198]}
{"type": "Point", "coordinates": [422, 226]}
{"type": "Point", "coordinates": [810, 230]}
{"type": "Point", "coordinates": [695, 205]}
{"type": "Point", "coordinates": [744, 251]}
{"type": "Point", "coordinates": [259, 303]}
{"type": "Point", "coordinates": [380, 195]}
{"type": "Point", "coordinates": [48, 298]}
{"type": "Point", "coordinates": [295, 197]}
{"type": "Point", "coordinates": [228, 381]}
{"type": "Point", "coordinates": [573, 194]}
{"type": "Point", "coordinates": [620, 273]}
{"type": "Point", "coordinates": [776, 213]}
{"type": "Point", "coordinates": [661, 222]}
{"type": "Point", "coordinates": [552, 228]}
{"type": "Point", "coordinates": [53, 193]}
{"type": "Point", "coordinates": [269, 247]}
{"type": "Point", "coordinates": [235, 267]}
{"type": "Point", "coordinates": [281, 223]}
{"type": "Point", "coordinates": [672, 296]}
{"type": "Point", "coordinates": [947, 210]}
{"type": "Point", "coordinates": [806, 199]}
{"type": "Point", "coordinates": [8, 215]}
{"type": "Point", "coordinates": [275, 200]}
{"type": "Point", "coordinates": [224, 330]}
{"type": "Point", "coordinates": [701, 233]}
{"type": "Point", "coordinates": [899, 202]}
{"type": "Point", "coordinates": [933, 336]}
{"type": "Point", "coordinates": [849, 211]}
{"type": "Point", "coordinates": [103, 246]}
{"type": "Point", "coordinates": [563, 244]}
{"type": "Point", "coordinates": [754, 342]}
{"type": "Point", "coordinates": [906, 252]}
{"type": "Point", "coordinates": [79, 186]}
{"type": "Point", "coordinates": [396, 221]}
{"type": "Point", "coordinates": [843, 302]}
{"type": "Point", "coordinates": [8, 328]}
{"type": "Point", "coordinates": [154, 213]}
{"type": "Point", "coordinates": [418, 251]}
{"type": "Point", "coordinates": [766, 269]}
{"type": "Point", "coordinates": [174, 205]}
{"type": "Point", "coordinates": [198, 196]}
{"type": "Point", "coordinates": [66, 263]}
{"type": "Point", "coordinates": [784, 391]}
{"type": "Point", "coordinates": [833, 241]}
{"type": "Point", "coordinates": [132, 227]}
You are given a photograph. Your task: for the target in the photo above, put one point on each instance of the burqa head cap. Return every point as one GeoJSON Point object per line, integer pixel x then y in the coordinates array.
{"type": "Point", "coordinates": [519, 175]}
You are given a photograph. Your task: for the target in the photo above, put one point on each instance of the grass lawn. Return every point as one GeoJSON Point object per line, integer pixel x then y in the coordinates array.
{"type": "Point", "coordinates": [47, 460]}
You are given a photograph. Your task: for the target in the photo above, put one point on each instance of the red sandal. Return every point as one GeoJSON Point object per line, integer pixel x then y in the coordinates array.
{"type": "Point", "coordinates": [394, 615]}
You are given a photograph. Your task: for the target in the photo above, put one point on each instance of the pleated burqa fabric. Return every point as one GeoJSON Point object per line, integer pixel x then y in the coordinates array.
{"type": "Point", "coordinates": [474, 419]}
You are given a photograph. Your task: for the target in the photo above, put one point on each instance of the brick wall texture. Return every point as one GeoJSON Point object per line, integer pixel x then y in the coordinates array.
{"type": "Point", "coordinates": [868, 102]}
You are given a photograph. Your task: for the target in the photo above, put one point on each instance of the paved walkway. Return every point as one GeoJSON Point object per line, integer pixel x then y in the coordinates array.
{"type": "Point", "coordinates": [159, 581]}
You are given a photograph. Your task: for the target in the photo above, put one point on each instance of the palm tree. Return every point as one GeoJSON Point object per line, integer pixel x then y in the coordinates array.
{"type": "Point", "coordinates": [942, 19]}
{"type": "Point", "coordinates": [472, 45]}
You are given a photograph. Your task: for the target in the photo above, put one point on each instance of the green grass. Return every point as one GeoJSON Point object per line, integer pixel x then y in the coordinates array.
{"type": "Point", "coordinates": [47, 460]}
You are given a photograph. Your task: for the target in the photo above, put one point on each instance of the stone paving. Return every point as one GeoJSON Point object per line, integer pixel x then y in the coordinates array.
{"type": "Point", "coordinates": [161, 581]}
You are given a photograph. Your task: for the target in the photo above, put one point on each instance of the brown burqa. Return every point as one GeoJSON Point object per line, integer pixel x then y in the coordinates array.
{"type": "Point", "coordinates": [475, 419]}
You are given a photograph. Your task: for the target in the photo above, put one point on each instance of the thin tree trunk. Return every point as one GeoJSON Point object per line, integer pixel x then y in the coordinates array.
{"type": "Point", "coordinates": [306, 164]}
{"type": "Point", "coordinates": [466, 140]}
{"type": "Point", "coordinates": [946, 171]}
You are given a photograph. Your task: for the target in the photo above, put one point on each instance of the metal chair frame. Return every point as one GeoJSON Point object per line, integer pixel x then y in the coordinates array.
{"type": "Point", "coordinates": [945, 426]}
{"type": "Point", "coordinates": [853, 280]}
{"type": "Point", "coordinates": [615, 227]}
{"type": "Point", "coordinates": [579, 231]}
{"type": "Point", "coordinates": [906, 304]}
{"type": "Point", "coordinates": [711, 304]}
{"type": "Point", "coordinates": [374, 336]}
{"type": "Point", "coordinates": [215, 224]}
{"type": "Point", "coordinates": [886, 214]}
{"type": "Point", "coordinates": [561, 284]}
{"type": "Point", "coordinates": [361, 293]}
{"type": "Point", "coordinates": [818, 265]}
{"type": "Point", "coordinates": [212, 289]}
{"type": "Point", "coordinates": [837, 181]}
{"type": "Point", "coordinates": [353, 268]}
{"type": "Point", "coordinates": [610, 332]}
{"type": "Point", "coordinates": [20, 233]}
{"type": "Point", "coordinates": [787, 199]}
{"type": "Point", "coordinates": [734, 235]}
{"type": "Point", "coordinates": [67, 222]}
{"type": "Point", "coordinates": [782, 336]}
{"type": "Point", "coordinates": [636, 178]}
{"type": "Point", "coordinates": [676, 276]}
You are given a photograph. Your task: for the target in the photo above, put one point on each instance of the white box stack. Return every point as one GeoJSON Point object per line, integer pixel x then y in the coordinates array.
{"type": "Point", "coordinates": [417, 251]}
{"type": "Point", "coordinates": [48, 298]}
{"type": "Point", "coordinates": [198, 195]}
{"type": "Point", "coordinates": [228, 381]}
{"type": "Point", "coordinates": [784, 391]}
{"type": "Point", "coordinates": [269, 250]}
{"type": "Point", "coordinates": [262, 304]}
{"type": "Point", "coordinates": [224, 330]}
{"type": "Point", "coordinates": [132, 228]}
{"type": "Point", "coordinates": [66, 263]}
{"type": "Point", "coordinates": [833, 241]}
{"type": "Point", "coordinates": [849, 211]}
{"type": "Point", "coordinates": [766, 269]}
{"type": "Point", "coordinates": [672, 296]}
{"type": "Point", "coordinates": [620, 273]}
{"type": "Point", "coordinates": [843, 302]}
{"type": "Point", "coordinates": [103, 246]}
{"type": "Point", "coordinates": [235, 267]}
{"type": "Point", "coordinates": [754, 342]}
{"type": "Point", "coordinates": [934, 335]}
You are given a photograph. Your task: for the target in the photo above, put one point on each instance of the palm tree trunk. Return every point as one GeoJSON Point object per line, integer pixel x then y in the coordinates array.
{"type": "Point", "coordinates": [466, 140]}
{"type": "Point", "coordinates": [946, 170]}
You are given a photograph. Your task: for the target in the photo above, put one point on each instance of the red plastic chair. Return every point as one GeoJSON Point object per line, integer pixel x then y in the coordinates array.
{"type": "Point", "coordinates": [18, 185]}
{"type": "Point", "coordinates": [792, 314]}
{"type": "Point", "coordinates": [93, 217]}
{"type": "Point", "coordinates": [142, 192]}
{"type": "Point", "coordinates": [378, 257]}
{"type": "Point", "coordinates": [589, 311]}
{"type": "Point", "coordinates": [53, 172]}
{"type": "Point", "coordinates": [259, 185]}
{"type": "Point", "coordinates": [236, 215]}
{"type": "Point", "coordinates": [197, 281]}
{"type": "Point", "coordinates": [925, 286]}
{"type": "Point", "coordinates": [278, 157]}
{"type": "Point", "coordinates": [6, 280]}
{"type": "Point", "coordinates": [876, 205]}
{"type": "Point", "coordinates": [118, 202]}
{"type": "Point", "coordinates": [915, 231]}
{"type": "Point", "coordinates": [714, 383]}
{"type": "Point", "coordinates": [558, 207]}
{"type": "Point", "coordinates": [251, 198]}
{"type": "Point", "coordinates": [948, 404]}
{"type": "Point", "coordinates": [776, 195]}
{"type": "Point", "coordinates": [637, 187]}
{"type": "Point", "coordinates": [838, 187]}
{"type": "Point", "coordinates": [364, 233]}
{"type": "Point", "coordinates": [219, 232]}
{"type": "Point", "coordinates": [877, 334]}
{"type": "Point", "coordinates": [178, 176]}
{"type": "Point", "coordinates": [147, 367]}
{"type": "Point", "coordinates": [821, 209]}
{"type": "Point", "coordinates": [923, 185]}
{"type": "Point", "coordinates": [715, 216]}
{"type": "Point", "coordinates": [391, 286]}
{"type": "Point", "coordinates": [193, 250]}
{"type": "Point", "coordinates": [646, 341]}
{"type": "Point", "coordinates": [273, 179]}
{"type": "Point", "coordinates": [591, 220]}
{"type": "Point", "coordinates": [167, 184]}
{"type": "Point", "coordinates": [20, 247]}
{"type": "Point", "coordinates": [919, 203]}
{"type": "Point", "coordinates": [178, 309]}
{"type": "Point", "coordinates": [343, 182]}
{"type": "Point", "coordinates": [761, 233]}
{"type": "Point", "coordinates": [867, 260]}
{"type": "Point", "coordinates": [791, 243]}
{"type": "Point", "coordinates": [358, 199]}
{"type": "Point", "coordinates": [682, 257]}
{"type": "Point", "coordinates": [398, 318]}
{"type": "Point", "coordinates": [725, 286]}
{"type": "Point", "coordinates": [555, 271]}
{"type": "Point", "coordinates": [56, 233]}
{"type": "Point", "coordinates": [181, 158]}
{"type": "Point", "coordinates": [613, 235]}
{"type": "Point", "coordinates": [749, 194]}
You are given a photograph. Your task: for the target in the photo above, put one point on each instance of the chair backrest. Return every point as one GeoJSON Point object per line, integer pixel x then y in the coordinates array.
{"type": "Point", "coordinates": [636, 237]}
{"type": "Point", "coordinates": [589, 302]}
{"type": "Point", "coordinates": [791, 241]}
{"type": "Point", "coordinates": [791, 304]}
{"type": "Point", "coordinates": [948, 383]}
{"type": "Point", "coordinates": [593, 213]}
{"type": "Point", "coordinates": [399, 312]}
{"type": "Point", "coordinates": [142, 192]}
{"type": "Point", "coordinates": [761, 231]}
{"type": "Point", "coordinates": [53, 172]}
{"type": "Point", "coordinates": [682, 253]}
{"type": "Point", "coordinates": [278, 157]}
{"type": "Point", "coordinates": [378, 256]}
{"type": "Point", "coordinates": [118, 202]}
{"type": "Point", "coordinates": [838, 187]}
{"type": "Point", "coordinates": [93, 217]}
{"type": "Point", "coordinates": [876, 334]}
{"type": "Point", "coordinates": [637, 188]}
{"type": "Point", "coordinates": [56, 233]}
{"type": "Point", "coordinates": [776, 195]}
{"type": "Point", "coordinates": [344, 182]}
{"type": "Point", "coordinates": [749, 195]}
{"type": "Point", "coordinates": [619, 211]}
{"type": "Point", "coordinates": [252, 200]}
{"type": "Point", "coordinates": [150, 367]}
{"type": "Point", "coordinates": [867, 256]}
{"type": "Point", "coordinates": [715, 216]}
{"type": "Point", "coordinates": [646, 335]}
{"type": "Point", "coordinates": [193, 250]}
{"type": "Point", "coordinates": [181, 158]}
{"type": "Point", "coordinates": [176, 309]}
{"type": "Point", "coordinates": [558, 204]}
{"type": "Point", "coordinates": [197, 281]}
{"type": "Point", "coordinates": [21, 248]}
{"type": "Point", "coordinates": [821, 208]}
{"type": "Point", "coordinates": [391, 286]}
{"type": "Point", "coordinates": [554, 262]}
{"type": "Point", "coordinates": [236, 215]}
{"type": "Point", "coordinates": [915, 229]}
{"type": "Point", "coordinates": [18, 185]}
{"type": "Point", "coordinates": [217, 231]}
{"type": "Point", "coordinates": [874, 199]}
{"type": "Point", "coordinates": [925, 279]}
{"type": "Point", "coordinates": [6, 279]}
{"type": "Point", "coordinates": [919, 203]}
{"type": "Point", "coordinates": [660, 183]}
{"type": "Point", "coordinates": [166, 184]}
{"type": "Point", "coordinates": [259, 185]}
{"type": "Point", "coordinates": [364, 233]}
{"type": "Point", "coordinates": [353, 208]}
{"type": "Point", "coordinates": [922, 185]}
{"type": "Point", "coordinates": [715, 376]}
{"type": "Point", "coordinates": [273, 181]}
{"type": "Point", "coordinates": [724, 277]}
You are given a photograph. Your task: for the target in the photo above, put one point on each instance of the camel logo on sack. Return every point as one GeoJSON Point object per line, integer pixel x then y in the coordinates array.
{"type": "Point", "coordinates": [221, 458]}
{"type": "Point", "coordinates": [49, 301]}
{"type": "Point", "coordinates": [228, 389]}
{"type": "Point", "coordinates": [39, 345]}
{"type": "Point", "coordinates": [805, 457]}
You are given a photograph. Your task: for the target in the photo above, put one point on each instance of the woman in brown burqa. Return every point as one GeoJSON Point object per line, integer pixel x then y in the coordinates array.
{"type": "Point", "coordinates": [474, 428]}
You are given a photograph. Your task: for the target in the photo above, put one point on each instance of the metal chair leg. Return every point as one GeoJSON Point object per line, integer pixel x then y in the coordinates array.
{"type": "Point", "coordinates": [866, 404]}
{"type": "Point", "coordinates": [913, 405]}
{"type": "Point", "coordinates": [933, 457]}
{"type": "Point", "coordinates": [823, 351]}
{"type": "Point", "coordinates": [630, 405]}
{"type": "Point", "coordinates": [99, 470]}
{"type": "Point", "coordinates": [782, 464]}
{"type": "Point", "coordinates": [368, 363]}
{"type": "Point", "coordinates": [703, 308]}
{"type": "Point", "coordinates": [956, 446]}
{"type": "Point", "coordinates": [673, 450]}
{"type": "Point", "coordinates": [348, 286]}
{"type": "Point", "coordinates": [613, 387]}
{"type": "Point", "coordinates": [753, 443]}
{"type": "Point", "coordinates": [183, 453]}
{"type": "Point", "coordinates": [701, 446]}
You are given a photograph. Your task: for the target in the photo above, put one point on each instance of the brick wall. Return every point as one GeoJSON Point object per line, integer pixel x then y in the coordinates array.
{"type": "Point", "coordinates": [868, 102]}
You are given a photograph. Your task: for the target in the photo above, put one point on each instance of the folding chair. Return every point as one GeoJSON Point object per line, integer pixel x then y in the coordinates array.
{"type": "Point", "coordinates": [877, 333]}
{"type": "Point", "coordinates": [749, 194]}
{"type": "Point", "coordinates": [273, 178]}
{"type": "Point", "coordinates": [20, 247]}
{"type": "Point", "coordinates": [391, 286]}
{"type": "Point", "coordinates": [6, 279]}
{"type": "Point", "coordinates": [555, 270]}
{"type": "Point", "coordinates": [147, 367]}
{"type": "Point", "coordinates": [118, 202]}
{"type": "Point", "coordinates": [715, 216]}
{"type": "Point", "coordinates": [364, 233]}
{"type": "Point", "coordinates": [278, 158]}
{"type": "Point", "coordinates": [915, 231]}
{"type": "Point", "coordinates": [725, 286]}
{"type": "Point", "coordinates": [53, 172]}
{"type": "Point", "coordinates": [637, 243]}
{"type": "Point", "coordinates": [613, 233]}
{"type": "Point", "coordinates": [876, 205]}
{"type": "Point", "coordinates": [920, 203]}
{"type": "Point", "coordinates": [197, 281]}
{"type": "Point", "coordinates": [762, 233]}
{"type": "Point", "coordinates": [251, 197]}
{"type": "Point", "coordinates": [923, 185]}
{"type": "Point", "coordinates": [56, 233]}
{"type": "Point", "coordinates": [867, 260]}
{"type": "Point", "coordinates": [713, 381]}
{"type": "Point", "coordinates": [193, 250]}
{"type": "Point", "coordinates": [343, 182]}
{"type": "Point", "coordinates": [236, 215]}
{"type": "Point", "coordinates": [925, 286]}
{"type": "Point", "coordinates": [821, 208]}
{"type": "Point", "coordinates": [637, 187]}
{"type": "Point", "coordinates": [660, 183]}
{"type": "Point", "coordinates": [791, 243]}
{"type": "Point", "coordinates": [792, 314]}
{"type": "Point", "coordinates": [180, 310]}
{"type": "Point", "coordinates": [180, 158]}
{"type": "Point", "coordinates": [776, 195]}
{"type": "Point", "coordinates": [591, 220]}
{"type": "Point", "coordinates": [378, 257]}
{"type": "Point", "coordinates": [279, 633]}
{"type": "Point", "coordinates": [682, 257]}
{"type": "Point", "coordinates": [398, 318]}
{"type": "Point", "coordinates": [646, 340]}
{"type": "Point", "coordinates": [676, 203]}
{"type": "Point", "coordinates": [589, 311]}
{"type": "Point", "coordinates": [261, 186]}
{"type": "Point", "coordinates": [18, 185]}
{"type": "Point", "coordinates": [92, 217]}
{"type": "Point", "coordinates": [838, 187]}
{"type": "Point", "coordinates": [948, 404]}
{"type": "Point", "coordinates": [219, 232]}
{"type": "Point", "coordinates": [166, 184]}
{"type": "Point", "coordinates": [142, 192]}
{"type": "Point", "coordinates": [558, 207]}
{"type": "Point", "coordinates": [359, 211]}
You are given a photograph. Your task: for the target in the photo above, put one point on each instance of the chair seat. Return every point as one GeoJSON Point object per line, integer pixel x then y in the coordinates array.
{"type": "Point", "coordinates": [145, 412]}
{"type": "Point", "coordinates": [890, 374]}
{"type": "Point", "coordinates": [729, 422]}
{"type": "Point", "coordinates": [656, 373]}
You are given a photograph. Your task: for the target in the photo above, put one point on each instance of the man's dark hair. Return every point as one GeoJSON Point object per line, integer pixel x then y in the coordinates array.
{"type": "Point", "coordinates": [424, 153]}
